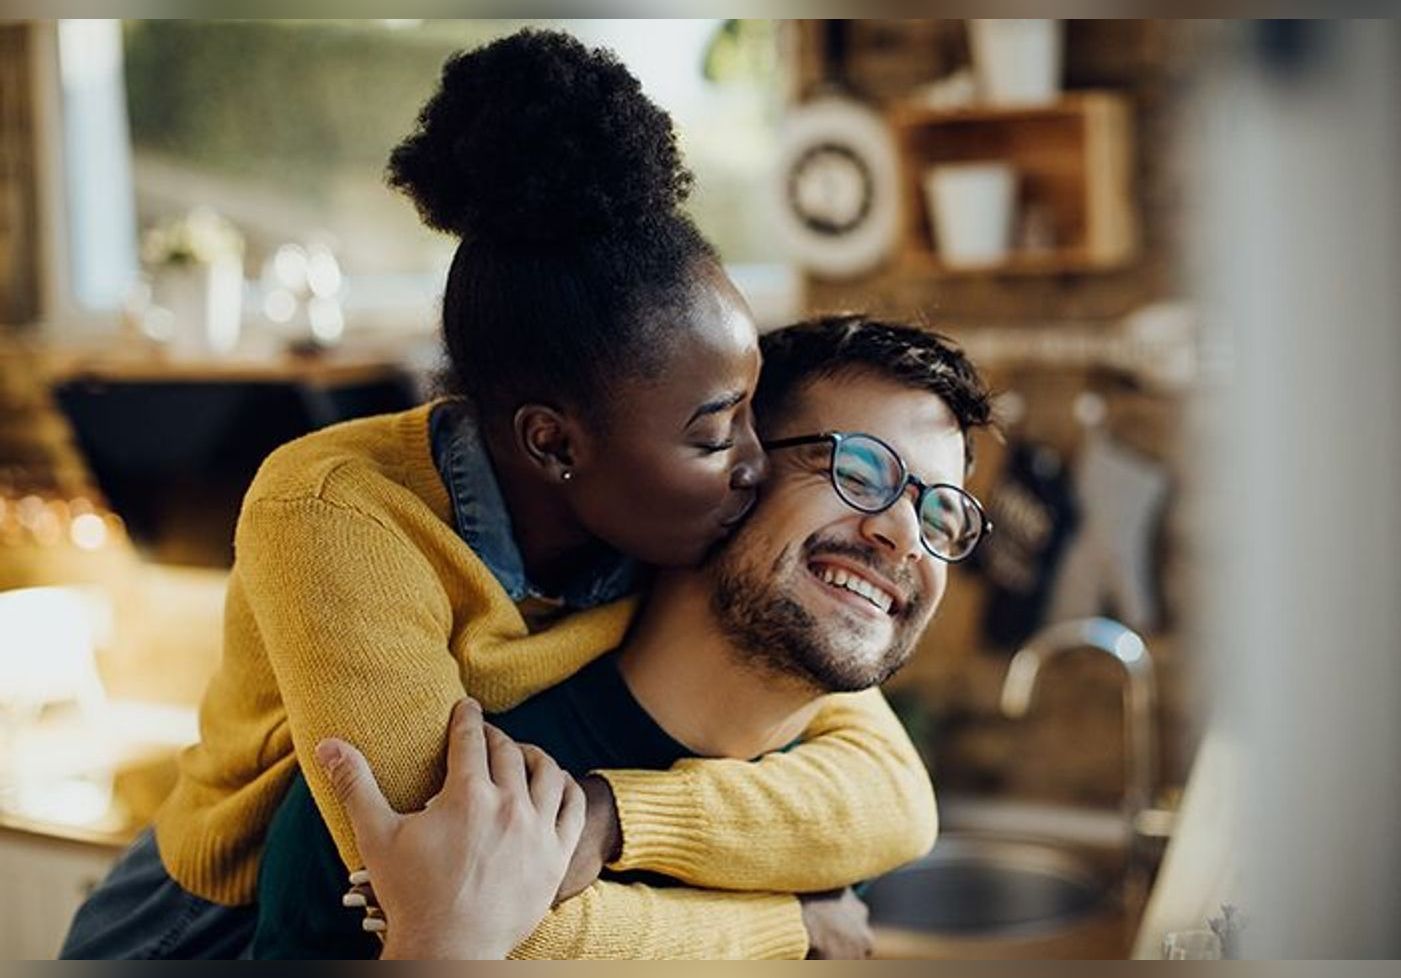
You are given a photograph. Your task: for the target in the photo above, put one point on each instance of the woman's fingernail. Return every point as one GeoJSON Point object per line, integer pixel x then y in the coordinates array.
{"type": "Point", "coordinates": [373, 924]}
{"type": "Point", "coordinates": [360, 877]}
{"type": "Point", "coordinates": [328, 753]}
{"type": "Point", "coordinates": [353, 900]}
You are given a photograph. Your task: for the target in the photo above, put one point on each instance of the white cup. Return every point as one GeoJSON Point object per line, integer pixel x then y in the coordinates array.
{"type": "Point", "coordinates": [1017, 62]}
{"type": "Point", "coordinates": [971, 211]}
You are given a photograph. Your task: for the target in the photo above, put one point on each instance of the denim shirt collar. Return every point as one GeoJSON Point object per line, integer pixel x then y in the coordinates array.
{"type": "Point", "coordinates": [485, 525]}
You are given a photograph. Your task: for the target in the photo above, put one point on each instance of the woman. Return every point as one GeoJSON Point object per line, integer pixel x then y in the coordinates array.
{"type": "Point", "coordinates": [479, 543]}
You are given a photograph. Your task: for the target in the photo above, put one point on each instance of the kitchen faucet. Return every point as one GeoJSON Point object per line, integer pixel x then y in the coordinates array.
{"type": "Point", "coordinates": [1140, 741]}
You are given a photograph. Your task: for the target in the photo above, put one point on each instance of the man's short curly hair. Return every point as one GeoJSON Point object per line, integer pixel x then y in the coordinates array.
{"type": "Point", "coordinates": [831, 346]}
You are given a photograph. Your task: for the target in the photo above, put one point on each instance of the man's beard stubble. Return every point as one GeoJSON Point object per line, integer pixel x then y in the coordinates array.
{"type": "Point", "coordinates": [779, 636]}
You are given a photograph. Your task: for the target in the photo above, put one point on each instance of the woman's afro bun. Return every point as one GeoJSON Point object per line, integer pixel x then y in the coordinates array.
{"type": "Point", "coordinates": [534, 138]}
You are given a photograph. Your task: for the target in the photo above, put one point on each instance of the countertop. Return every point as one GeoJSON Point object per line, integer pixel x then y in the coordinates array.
{"type": "Point", "coordinates": [97, 775]}
{"type": "Point", "coordinates": [94, 778]}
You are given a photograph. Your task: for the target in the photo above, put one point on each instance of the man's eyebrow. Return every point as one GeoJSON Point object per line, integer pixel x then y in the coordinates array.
{"type": "Point", "coordinates": [715, 406]}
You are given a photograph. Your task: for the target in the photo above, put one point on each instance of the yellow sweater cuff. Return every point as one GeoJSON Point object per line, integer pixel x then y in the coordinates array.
{"type": "Point", "coordinates": [777, 930]}
{"type": "Point", "coordinates": [662, 823]}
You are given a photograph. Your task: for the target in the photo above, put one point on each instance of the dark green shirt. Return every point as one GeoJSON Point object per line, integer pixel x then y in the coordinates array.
{"type": "Point", "coordinates": [589, 721]}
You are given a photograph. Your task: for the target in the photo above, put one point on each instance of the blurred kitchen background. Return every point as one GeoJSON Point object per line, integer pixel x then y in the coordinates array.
{"type": "Point", "coordinates": [1171, 246]}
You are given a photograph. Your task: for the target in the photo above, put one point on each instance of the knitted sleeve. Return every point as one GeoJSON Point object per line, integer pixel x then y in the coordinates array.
{"type": "Point", "coordinates": [851, 801]}
{"type": "Point", "coordinates": [634, 921]}
{"type": "Point", "coordinates": [356, 626]}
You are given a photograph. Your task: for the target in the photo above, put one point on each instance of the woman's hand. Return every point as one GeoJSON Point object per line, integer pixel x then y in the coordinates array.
{"type": "Point", "coordinates": [471, 874]}
{"type": "Point", "coordinates": [837, 925]}
{"type": "Point", "coordinates": [599, 844]}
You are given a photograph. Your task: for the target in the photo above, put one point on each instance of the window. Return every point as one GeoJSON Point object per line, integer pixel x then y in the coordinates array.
{"type": "Point", "coordinates": [284, 127]}
{"type": "Point", "coordinates": [98, 226]}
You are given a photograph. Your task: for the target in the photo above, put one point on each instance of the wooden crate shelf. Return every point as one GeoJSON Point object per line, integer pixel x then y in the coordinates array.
{"type": "Point", "coordinates": [1074, 162]}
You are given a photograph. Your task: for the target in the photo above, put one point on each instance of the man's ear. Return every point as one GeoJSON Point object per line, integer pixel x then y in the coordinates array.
{"type": "Point", "coordinates": [549, 438]}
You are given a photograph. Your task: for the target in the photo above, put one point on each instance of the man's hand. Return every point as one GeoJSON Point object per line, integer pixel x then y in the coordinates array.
{"type": "Point", "coordinates": [837, 925]}
{"type": "Point", "coordinates": [599, 844]}
{"type": "Point", "coordinates": [471, 874]}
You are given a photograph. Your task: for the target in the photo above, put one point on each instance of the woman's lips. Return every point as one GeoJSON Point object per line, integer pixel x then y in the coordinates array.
{"type": "Point", "coordinates": [745, 504]}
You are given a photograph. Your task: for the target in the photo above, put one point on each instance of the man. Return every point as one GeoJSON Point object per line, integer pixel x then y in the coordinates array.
{"type": "Point", "coordinates": [473, 872]}
{"type": "Point", "coordinates": [823, 591]}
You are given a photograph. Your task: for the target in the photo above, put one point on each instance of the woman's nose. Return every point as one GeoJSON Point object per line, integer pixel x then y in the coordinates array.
{"type": "Point", "coordinates": [751, 464]}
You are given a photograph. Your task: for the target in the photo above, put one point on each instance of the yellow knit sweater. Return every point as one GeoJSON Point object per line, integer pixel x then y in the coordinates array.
{"type": "Point", "coordinates": [354, 609]}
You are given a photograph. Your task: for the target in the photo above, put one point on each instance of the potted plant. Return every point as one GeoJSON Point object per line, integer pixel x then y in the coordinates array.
{"type": "Point", "coordinates": [195, 264]}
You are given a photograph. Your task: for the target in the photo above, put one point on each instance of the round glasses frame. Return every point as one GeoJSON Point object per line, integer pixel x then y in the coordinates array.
{"type": "Point", "coordinates": [907, 479]}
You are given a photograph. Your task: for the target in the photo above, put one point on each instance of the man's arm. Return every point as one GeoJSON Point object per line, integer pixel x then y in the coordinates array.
{"type": "Point", "coordinates": [855, 792]}
{"type": "Point", "coordinates": [472, 874]}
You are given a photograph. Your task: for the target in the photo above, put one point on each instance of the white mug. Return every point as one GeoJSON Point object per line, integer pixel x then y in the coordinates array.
{"type": "Point", "coordinates": [971, 209]}
{"type": "Point", "coordinates": [1017, 62]}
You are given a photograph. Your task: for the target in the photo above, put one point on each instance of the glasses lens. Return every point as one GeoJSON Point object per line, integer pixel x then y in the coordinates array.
{"type": "Point", "coordinates": [950, 522]}
{"type": "Point", "coordinates": [867, 473]}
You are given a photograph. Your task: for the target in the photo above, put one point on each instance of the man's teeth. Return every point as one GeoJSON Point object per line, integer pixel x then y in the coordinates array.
{"type": "Point", "coordinates": [837, 577]}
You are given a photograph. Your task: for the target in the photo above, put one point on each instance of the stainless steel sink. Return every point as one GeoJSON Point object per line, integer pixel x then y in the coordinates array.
{"type": "Point", "coordinates": [974, 886]}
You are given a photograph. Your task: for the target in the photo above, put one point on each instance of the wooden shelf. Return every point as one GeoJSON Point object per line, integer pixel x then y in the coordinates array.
{"type": "Point", "coordinates": [925, 259]}
{"type": "Point", "coordinates": [1074, 163]}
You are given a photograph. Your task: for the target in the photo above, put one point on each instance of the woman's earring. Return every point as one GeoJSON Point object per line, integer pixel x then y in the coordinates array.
{"type": "Point", "coordinates": [566, 475]}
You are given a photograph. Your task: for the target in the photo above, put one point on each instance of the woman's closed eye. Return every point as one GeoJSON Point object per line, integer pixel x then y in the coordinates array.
{"type": "Point", "coordinates": [710, 448]}
{"type": "Point", "coordinates": [716, 436]}
{"type": "Point", "coordinates": [715, 425]}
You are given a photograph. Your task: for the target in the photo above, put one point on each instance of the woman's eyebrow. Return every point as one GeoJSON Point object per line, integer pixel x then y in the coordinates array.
{"type": "Point", "coordinates": [715, 406]}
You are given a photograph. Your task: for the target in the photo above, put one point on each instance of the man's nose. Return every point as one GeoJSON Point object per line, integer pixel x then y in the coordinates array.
{"type": "Point", "coordinates": [751, 465]}
{"type": "Point", "coordinates": [896, 529]}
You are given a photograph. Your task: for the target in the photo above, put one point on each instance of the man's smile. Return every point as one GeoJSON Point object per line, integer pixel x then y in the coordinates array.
{"type": "Point", "coordinates": [845, 575]}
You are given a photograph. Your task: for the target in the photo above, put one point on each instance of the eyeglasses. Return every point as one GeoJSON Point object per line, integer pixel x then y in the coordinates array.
{"type": "Point", "coordinates": [870, 476]}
